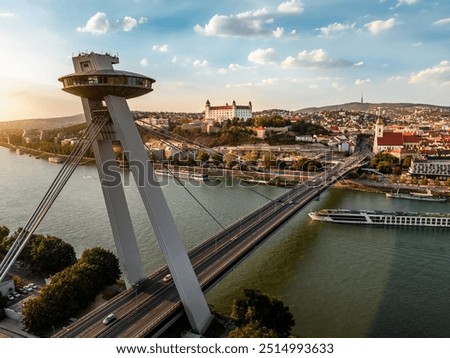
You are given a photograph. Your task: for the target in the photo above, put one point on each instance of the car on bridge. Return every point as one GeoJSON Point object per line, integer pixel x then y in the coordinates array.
{"type": "Point", "coordinates": [109, 318]}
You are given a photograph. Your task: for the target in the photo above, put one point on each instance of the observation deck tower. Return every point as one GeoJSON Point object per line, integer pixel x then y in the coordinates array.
{"type": "Point", "coordinates": [103, 91]}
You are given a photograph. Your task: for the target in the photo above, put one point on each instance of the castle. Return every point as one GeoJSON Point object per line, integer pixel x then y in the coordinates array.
{"type": "Point", "coordinates": [223, 113]}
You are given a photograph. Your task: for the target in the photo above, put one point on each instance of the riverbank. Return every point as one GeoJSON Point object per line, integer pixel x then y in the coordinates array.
{"type": "Point", "coordinates": [384, 186]}
{"type": "Point", "coordinates": [39, 154]}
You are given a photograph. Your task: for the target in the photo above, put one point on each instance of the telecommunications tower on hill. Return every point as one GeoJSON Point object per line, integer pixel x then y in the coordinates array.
{"type": "Point", "coordinates": [103, 91]}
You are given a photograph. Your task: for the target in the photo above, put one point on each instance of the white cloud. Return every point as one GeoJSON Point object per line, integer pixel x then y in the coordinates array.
{"type": "Point", "coordinates": [360, 82]}
{"type": "Point", "coordinates": [405, 2]}
{"type": "Point", "coordinates": [232, 67]}
{"type": "Point", "coordinates": [142, 20]}
{"type": "Point", "coordinates": [395, 78]}
{"type": "Point", "coordinates": [161, 48]}
{"type": "Point", "coordinates": [240, 85]}
{"type": "Point", "coordinates": [96, 25]}
{"type": "Point", "coordinates": [6, 14]}
{"type": "Point", "coordinates": [263, 56]}
{"type": "Point", "coordinates": [144, 62]}
{"type": "Point", "coordinates": [99, 24]}
{"type": "Point", "coordinates": [290, 7]}
{"type": "Point", "coordinates": [445, 21]}
{"type": "Point", "coordinates": [249, 23]}
{"type": "Point", "coordinates": [437, 74]}
{"type": "Point", "coordinates": [270, 81]}
{"type": "Point", "coordinates": [278, 32]}
{"type": "Point", "coordinates": [417, 44]}
{"type": "Point", "coordinates": [337, 86]}
{"type": "Point", "coordinates": [357, 64]}
{"type": "Point", "coordinates": [174, 59]}
{"type": "Point", "coordinates": [375, 27]}
{"type": "Point", "coordinates": [200, 63]}
{"type": "Point", "coordinates": [335, 28]}
{"type": "Point", "coordinates": [315, 58]}
{"type": "Point", "coordinates": [129, 23]}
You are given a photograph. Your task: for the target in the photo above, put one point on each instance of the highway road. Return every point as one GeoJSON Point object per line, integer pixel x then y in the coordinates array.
{"type": "Point", "coordinates": [146, 309]}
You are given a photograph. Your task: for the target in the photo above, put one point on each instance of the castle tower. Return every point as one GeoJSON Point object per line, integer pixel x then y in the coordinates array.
{"type": "Point", "coordinates": [103, 91]}
{"type": "Point", "coordinates": [207, 108]}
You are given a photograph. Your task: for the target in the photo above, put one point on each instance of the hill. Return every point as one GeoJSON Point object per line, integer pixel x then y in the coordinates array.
{"type": "Point", "coordinates": [366, 107]}
{"type": "Point", "coordinates": [43, 123]}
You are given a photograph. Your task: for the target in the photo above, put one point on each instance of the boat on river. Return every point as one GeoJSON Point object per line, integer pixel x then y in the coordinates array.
{"type": "Point", "coordinates": [428, 196]}
{"type": "Point", "coordinates": [183, 175]}
{"type": "Point", "coordinates": [388, 218]}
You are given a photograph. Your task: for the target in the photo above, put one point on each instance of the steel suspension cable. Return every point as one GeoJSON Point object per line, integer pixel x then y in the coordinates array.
{"type": "Point", "coordinates": [52, 193]}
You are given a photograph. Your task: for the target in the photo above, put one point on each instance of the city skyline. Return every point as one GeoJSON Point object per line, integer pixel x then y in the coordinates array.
{"type": "Point", "coordinates": [278, 54]}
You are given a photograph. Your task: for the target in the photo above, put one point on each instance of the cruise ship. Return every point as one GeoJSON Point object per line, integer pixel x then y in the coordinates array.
{"type": "Point", "coordinates": [183, 175]}
{"type": "Point", "coordinates": [428, 196]}
{"type": "Point", "coordinates": [389, 218]}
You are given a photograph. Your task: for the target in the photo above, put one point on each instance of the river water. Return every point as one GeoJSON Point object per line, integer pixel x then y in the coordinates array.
{"type": "Point", "coordinates": [338, 280]}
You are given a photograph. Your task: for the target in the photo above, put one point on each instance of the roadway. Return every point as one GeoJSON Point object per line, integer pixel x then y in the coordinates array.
{"type": "Point", "coordinates": [152, 305]}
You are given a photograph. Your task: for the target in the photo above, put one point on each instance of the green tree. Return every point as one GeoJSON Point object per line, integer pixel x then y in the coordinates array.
{"type": "Point", "coordinates": [259, 311]}
{"type": "Point", "coordinates": [202, 156]}
{"type": "Point", "coordinates": [48, 255]}
{"type": "Point", "coordinates": [105, 264]}
{"type": "Point", "coordinates": [252, 330]}
{"type": "Point", "coordinates": [71, 290]}
{"type": "Point", "coordinates": [384, 162]}
{"type": "Point", "coordinates": [4, 232]}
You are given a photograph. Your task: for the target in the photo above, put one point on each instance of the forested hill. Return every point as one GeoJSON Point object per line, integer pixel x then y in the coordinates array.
{"type": "Point", "coordinates": [43, 123]}
{"type": "Point", "coordinates": [367, 107]}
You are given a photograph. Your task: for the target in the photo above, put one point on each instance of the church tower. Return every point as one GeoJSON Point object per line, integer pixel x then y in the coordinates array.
{"type": "Point", "coordinates": [379, 132]}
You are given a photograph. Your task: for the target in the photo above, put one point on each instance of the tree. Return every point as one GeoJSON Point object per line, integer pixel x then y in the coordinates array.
{"type": "Point", "coordinates": [384, 162]}
{"type": "Point", "coordinates": [71, 290]}
{"type": "Point", "coordinates": [260, 313]}
{"type": "Point", "coordinates": [48, 254]}
{"type": "Point", "coordinates": [4, 232]}
{"type": "Point", "coordinates": [104, 262]}
{"type": "Point", "coordinates": [252, 330]}
{"type": "Point", "coordinates": [202, 156]}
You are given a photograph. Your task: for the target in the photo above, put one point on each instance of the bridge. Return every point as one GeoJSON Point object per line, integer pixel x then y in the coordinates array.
{"type": "Point", "coordinates": [151, 306]}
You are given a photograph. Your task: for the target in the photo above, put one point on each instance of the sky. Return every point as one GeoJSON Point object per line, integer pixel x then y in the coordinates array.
{"type": "Point", "coordinates": [277, 54]}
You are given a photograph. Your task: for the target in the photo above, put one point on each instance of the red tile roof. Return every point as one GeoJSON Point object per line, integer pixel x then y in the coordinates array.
{"type": "Point", "coordinates": [391, 139]}
{"type": "Point", "coordinates": [411, 139]}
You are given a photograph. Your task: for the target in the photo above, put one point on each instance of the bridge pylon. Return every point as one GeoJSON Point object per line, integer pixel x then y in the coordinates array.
{"type": "Point", "coordinates": [104, 90]}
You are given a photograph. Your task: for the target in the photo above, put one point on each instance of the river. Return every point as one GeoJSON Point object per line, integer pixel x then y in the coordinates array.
{"type": "Point", "coordinates": [338, 280]}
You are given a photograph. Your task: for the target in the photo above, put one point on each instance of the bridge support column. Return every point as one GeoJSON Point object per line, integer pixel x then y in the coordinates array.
{"type": "Point", "coordinates": [117, 208]}
{"type": "Point", "coordinates": [155, 204]}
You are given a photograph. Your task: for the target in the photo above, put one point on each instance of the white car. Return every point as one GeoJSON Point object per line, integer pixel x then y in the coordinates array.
{"type": "Point", "coordinates": [109, 318]}
{"type": "Point", "coordinates": [167, 278]}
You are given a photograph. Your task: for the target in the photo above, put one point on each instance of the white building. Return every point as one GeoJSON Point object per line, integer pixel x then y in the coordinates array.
{"type": "Point", "coordinates": [222, 113]}
{"type": "Point", "coordinates": [436, 168]}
